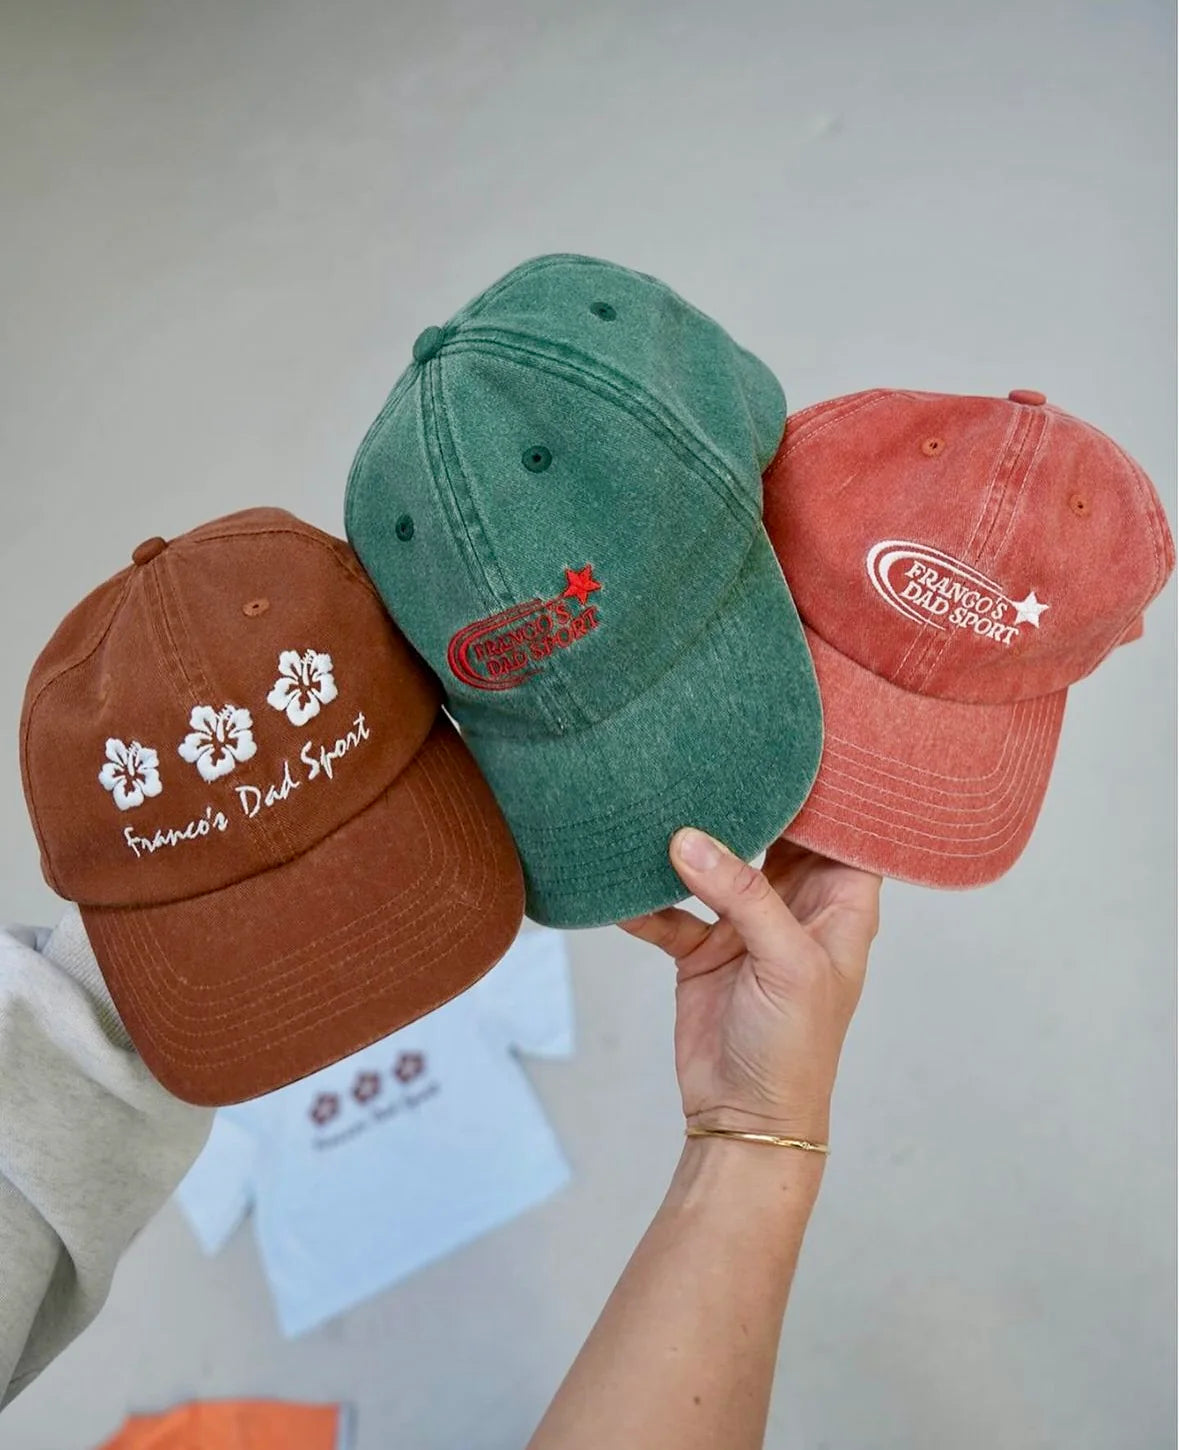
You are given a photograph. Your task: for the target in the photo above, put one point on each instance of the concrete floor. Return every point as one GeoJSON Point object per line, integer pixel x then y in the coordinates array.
{"type": "Point", "coordinates": [223, 226]}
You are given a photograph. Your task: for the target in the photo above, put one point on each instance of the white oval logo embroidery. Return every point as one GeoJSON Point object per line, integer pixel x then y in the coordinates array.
{"type": "Point", "coordinates": [933, 588]}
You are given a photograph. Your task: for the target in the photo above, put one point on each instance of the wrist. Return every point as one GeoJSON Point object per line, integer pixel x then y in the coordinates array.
{"type": "Point", "coordinates": [749, 1180]}
{"type": "Point", "coordinates": [812, 1122]}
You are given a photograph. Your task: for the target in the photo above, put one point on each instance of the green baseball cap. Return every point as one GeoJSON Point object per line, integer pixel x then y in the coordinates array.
{"type": "Point", "coordinates": [560, 504]}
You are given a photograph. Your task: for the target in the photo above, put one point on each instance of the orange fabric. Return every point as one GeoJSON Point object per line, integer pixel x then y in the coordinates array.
{"type": "Point", "coordinates": [233, 1425]}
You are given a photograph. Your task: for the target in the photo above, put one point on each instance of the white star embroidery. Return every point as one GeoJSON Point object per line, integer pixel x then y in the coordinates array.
{"type": "Point", "coordinates": [1028, 611]}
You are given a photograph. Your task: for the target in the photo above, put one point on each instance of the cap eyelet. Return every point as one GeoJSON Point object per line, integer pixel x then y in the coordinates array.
{"type": "Point", "coordinates": [537, 458]}
{"type": "Point", "coordinates": [604, 311]}
{"type": "Point", "coordinates": [933, 446]}
{"type": "Point", "coordinates": [403, 528]}
{"type": "Point", "coordinates": [1079, 504]}
{"type": "Point", "coordinates": [254, 607]}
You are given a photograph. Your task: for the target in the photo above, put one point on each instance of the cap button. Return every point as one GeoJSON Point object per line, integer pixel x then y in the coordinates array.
{"type": "Point", "coordinates": [1028, 396]}
{"type": "Point", "coordinates": [147, 551]}
{"type": "Point", "coordinates": [428, 343]}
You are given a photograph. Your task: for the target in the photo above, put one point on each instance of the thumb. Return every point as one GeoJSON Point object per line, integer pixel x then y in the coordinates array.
{"type": "Point", "coordinates": [738, 893]}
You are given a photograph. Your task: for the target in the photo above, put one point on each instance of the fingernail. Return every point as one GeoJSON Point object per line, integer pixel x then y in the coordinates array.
{"type": "Point", "coordinates": [697, 850]}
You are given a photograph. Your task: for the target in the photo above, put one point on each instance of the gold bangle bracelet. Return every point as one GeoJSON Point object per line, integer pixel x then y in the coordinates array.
{"type": "Point", "coordinates": [771, 1139]}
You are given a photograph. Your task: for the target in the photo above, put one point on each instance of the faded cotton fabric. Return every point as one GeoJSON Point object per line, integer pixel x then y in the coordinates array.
{"type": "Point", "coordinates": [90, 1144]}
{"type": "Point", "coordinates": [239, 769]}
{"type": "Point", "coordinates": [958, 563]}
{"type": "Point", "coordinates": [658, 763]}
{"type": "Point", "coordinates": [560, 504]}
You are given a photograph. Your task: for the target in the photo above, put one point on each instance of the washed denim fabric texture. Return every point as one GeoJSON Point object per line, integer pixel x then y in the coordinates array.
{"type": "Point", "coordinates": [398, 1155]}
{"type": "Point", "coordinates": [958, 562]}
{"type": "Point", "coordinates": [560, 504]}
{"type": "Point", "coordinates": [281, 848]}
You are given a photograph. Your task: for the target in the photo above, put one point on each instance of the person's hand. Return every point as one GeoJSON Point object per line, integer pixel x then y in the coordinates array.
{"type": "Point", "coordinates": [764, 996]}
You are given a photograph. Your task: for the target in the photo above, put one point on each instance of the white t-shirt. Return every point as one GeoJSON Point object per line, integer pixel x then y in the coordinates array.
{"type": "Point", "coordinates": [397, 1155]}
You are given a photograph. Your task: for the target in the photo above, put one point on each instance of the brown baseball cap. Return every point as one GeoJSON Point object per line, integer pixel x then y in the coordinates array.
{"type": "Point", "coordinates": [281, 848]}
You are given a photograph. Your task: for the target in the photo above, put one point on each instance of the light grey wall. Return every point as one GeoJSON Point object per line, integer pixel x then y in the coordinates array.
{"type": "Point", "coordinates": [223, 224]}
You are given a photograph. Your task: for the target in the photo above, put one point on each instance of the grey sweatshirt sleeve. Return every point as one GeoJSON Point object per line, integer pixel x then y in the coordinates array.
{"type": "Point", "coordinates": [90, 1144]}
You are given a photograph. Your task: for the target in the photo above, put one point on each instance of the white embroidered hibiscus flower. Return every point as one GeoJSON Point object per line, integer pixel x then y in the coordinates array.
{"type": "Point", "coordinates": [305, 682]}
{"type": "Point", "coordinates": [131, 773]}
{"type": "Point", "coordinates": [219, 739]}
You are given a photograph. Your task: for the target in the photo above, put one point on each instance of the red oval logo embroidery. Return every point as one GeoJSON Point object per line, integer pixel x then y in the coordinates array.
{"type": "Point", "coordinates": [503, 650]}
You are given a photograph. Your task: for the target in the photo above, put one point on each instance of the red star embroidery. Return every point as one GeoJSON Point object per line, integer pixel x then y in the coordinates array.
{"type": "Point", "coordinates": [581, 584]}
{"type": "Point", "coordinates": [366, 1086]}
{"type": "Point", "coordinates": [408, 1066]}
{"type": "Point", "coordinates": [324, 1108]}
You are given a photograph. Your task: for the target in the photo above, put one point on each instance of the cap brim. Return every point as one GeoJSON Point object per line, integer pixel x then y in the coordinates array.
{"type": "Point", "coordinates": [245, 989]}
{"type": "Point", "coordinates": [925, 790]}
{"type": "Point", "coordinates": [727, 740]}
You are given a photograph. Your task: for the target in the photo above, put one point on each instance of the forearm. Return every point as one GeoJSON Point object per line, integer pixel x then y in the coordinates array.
{"type": "Point", "coordinates": [683, 1354]}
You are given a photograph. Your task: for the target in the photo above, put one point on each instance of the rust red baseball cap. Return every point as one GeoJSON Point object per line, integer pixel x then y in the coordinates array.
{"type": "Point", "coordinates": [281, 848]}
{"type": "Point", "coordinates": [957, 563]}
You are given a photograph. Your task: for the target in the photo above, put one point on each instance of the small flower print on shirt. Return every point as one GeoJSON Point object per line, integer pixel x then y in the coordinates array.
{"type": "Point", "coordinates": [408, 1066]}
{"type": "Point", "coordinates": [219, 739]}
{"type": "Point", "coordinates": [305, 682]}
{"type": "Point", "coordinates": [366, 1086]}
{"type": "Point", "coordinates": [324, 1109]}
{"type": "Point", "coordinates": [131, 773]}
